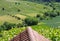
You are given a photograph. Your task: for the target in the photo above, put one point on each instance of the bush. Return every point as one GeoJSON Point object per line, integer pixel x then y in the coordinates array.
{"type": "Point", "coordinates": [19, 25]}
{"type": "Point", "coordinates": [46, 14]}
{"type": "Point", "coordinates": [7, 26]}
{"type": "Point", "coordinates": [18, 18]}
{"type": "Point", "coordinates": [15, 2]}
{"type": "Point", "coordinates": [1, 28]}
{"type": "Point", "coordinates": [0, 35]}
{"type": "Point", "coordinates": [58, 13]}
{"type": "Point", "coordinates": [18, 3]}
{"type": "Point", "coordinates": [37, 15]}
{"type": "Point", "coordinates": [19, 10]}
{"type": "Point", "coordinates": [53, 14]}
{"type": "Point", "coordinates": [3, 8]}
{"type": "Point", "coordinates": [40, 17]}
{"type": "Point", "coordinates": [31, 21]}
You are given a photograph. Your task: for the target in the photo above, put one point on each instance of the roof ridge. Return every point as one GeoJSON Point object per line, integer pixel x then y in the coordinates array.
{"type": "Point", "coordinates": [30, 33]}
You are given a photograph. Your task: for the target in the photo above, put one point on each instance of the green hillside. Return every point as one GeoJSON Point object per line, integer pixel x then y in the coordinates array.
{"type": "Point", "coordinates": [22, 7]}
{"type": "Point", "coordinates": [42, 16]}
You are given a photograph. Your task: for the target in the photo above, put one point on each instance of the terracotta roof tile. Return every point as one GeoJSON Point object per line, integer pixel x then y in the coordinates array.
{"type": "Point", "coordinates": [29, 35]}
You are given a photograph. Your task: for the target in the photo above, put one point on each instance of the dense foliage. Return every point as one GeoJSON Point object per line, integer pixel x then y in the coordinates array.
{"type": "Point", "coordinates": [31, 21]}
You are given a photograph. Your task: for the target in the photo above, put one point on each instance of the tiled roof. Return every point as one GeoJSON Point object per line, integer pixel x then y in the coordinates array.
{"type": "Point", "coordinates": [29, 35]}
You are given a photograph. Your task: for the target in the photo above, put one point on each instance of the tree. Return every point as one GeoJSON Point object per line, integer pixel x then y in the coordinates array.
{"type": "Point", "coordinates": [58, 13]}
{"type": "Point", "coordinates": [46, 14]}
{"type": "Point", "coordinates": [7, 26]}
{"type": "Point", "coordinates": [19, 25]}
{"type": "Point", "coordinates": [37, 15]}
{"type": "Point", "coordinates": [53, 14]}
{"type": "Point", "coordinates": [3, 8]}
{"type": "Point", "coordinates": [18, 10]}
{"type": "Point", "coordinates": [31, 21]}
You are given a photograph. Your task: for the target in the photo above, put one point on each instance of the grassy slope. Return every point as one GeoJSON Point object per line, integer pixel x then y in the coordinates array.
{"type": "Point", "coordinates": [26, 9]}
{"type": "Point", "coordinates": [55, 22]}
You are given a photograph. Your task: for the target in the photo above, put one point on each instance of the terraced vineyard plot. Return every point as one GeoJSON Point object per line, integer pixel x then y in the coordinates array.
{"type": "Point", "coordinates": [21, 16]}
{"type": "Point", "coordinates": [7, 35]}
{"type": "Point", "coordinates": [55, 22]}
{"type": "Point", "coordinates": [6, 18]}
{"type": "Point", "coordinates": [51, 33]}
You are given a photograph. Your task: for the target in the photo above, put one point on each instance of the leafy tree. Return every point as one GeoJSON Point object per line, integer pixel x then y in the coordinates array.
{"type": "Point", "coordinates": [18, 18]}
{"type": "Point", "coordinates": [38, 15]}
{"type": "Point", "coordinates": [15, 2]}
{"type": "Point", "coordinates": [18, 10]}
{"type": "Point", "coordinates": [19, 25]}
{"type": "Point", "coordinates": [3, 8]}
{"type": "Point", "coordinates": [53, 14]}
{"type": "Point", "coordinates": [31, 21]}
{"type": "Point", "coordinates": [58, 13]}
{"type": "Point", "coordinates": [0, 35]}
{"type": "Point", "coordinates": [7, 26]}
{"type": "Point", "coordinates": [46, 14]}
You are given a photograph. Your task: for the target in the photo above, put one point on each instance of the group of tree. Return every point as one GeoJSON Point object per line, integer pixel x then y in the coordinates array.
{"type": "Point", "coordinates": [18, 18]}
{"type": "Point", "coordinates": [17, 3]}
{"type": "Point", "coordinates": [40, 17]}
{"type": "Point", "coordinates": [52, 14]}
{"type": "Point", "coordinates": [44, 0]}
{"type": "Point", "coordinates": [31, 21]}
{"type": "Point", "coordinates": [8, 26]}
{"type": "Point", "coordinates": [48, 14]}
{"type": "Point", "coordinates": [26, 22]}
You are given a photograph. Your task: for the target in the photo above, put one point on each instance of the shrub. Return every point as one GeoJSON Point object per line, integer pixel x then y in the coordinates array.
{"type": "Point", "coordinates": [58, 13]}
{"type": "Point", "coordinates": [31, 21]}
{"type": "Point", "coordinates": [46, 14]}
{"type": "Point", "coordinates": [19, 25]}
{"type": "Point", "coordinates": [3, 8]}
{"type": "Point", "coordinates": [0, 35]}
{"type": "Point", "coordinates": [18, 3]}
{"type": "Point", "coordinates": [53, 14]}
{"type": "Point", "coordinates": [37, 15]}
{"type": "Point", "coordinates": [7, 26]}
{"type": "Point", "coordinates": [1, 28]}
{"type": "Point", "coordinates": [15, 2]}
{"type": "Point", "coordinates": [40, 17]}
{"type": "Point", "coordinates": [54, 8]}
{"type": "Point", "coordinates": [18, 18]}
{"type": "Point", "coordinates": [18, 10]}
